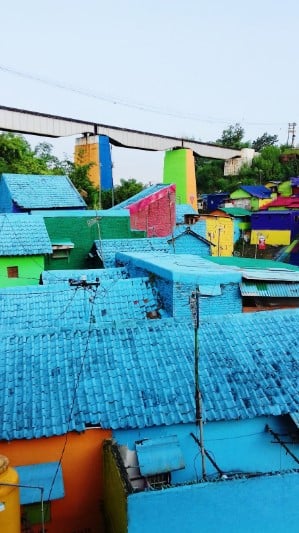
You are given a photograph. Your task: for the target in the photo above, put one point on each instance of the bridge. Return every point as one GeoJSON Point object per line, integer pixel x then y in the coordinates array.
{"type": "Point", "coordinates": [44, 125]}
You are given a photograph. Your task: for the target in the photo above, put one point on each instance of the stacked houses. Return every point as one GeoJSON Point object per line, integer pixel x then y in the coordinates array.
{"type": "Point", "coordinates": [136, 393]}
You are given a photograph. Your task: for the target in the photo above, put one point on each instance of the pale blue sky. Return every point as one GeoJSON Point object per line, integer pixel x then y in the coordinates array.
{"type": "Point", "coordinates": [200, 65]}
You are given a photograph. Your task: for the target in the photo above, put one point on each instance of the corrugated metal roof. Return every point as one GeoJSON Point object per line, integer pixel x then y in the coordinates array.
{"type": "Point", "coordinates": [235, 211]}
{"type": "Point", "coordinates": [141, 373]}
{"type": "Point", "coordinates": [32, 191]}
{"type": "Point", "coordinates": [159, 455]}
{"type": "Point", "coordinates": [247, 263]}
{"type": "Point", "coordinates": [269, 289]}
{"type": "Point", "coordinates": [284, 201]}
{"type": "Point", "coordinates": [259, 191]}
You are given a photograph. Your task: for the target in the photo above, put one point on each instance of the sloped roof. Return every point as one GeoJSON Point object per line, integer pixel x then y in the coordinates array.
{"type": "Point", "coordinates": [155, 191]}
{"type": "Point", "coordinates": [255, 264]}
{"type": "Point", "coordinates": [189, 231]}
{"type": "Point", "coordinates": [235, 211]}
{"type": "Point", "coordinates": [91, 274]}
{"type": "Point", "coordinates": [199, 227]}
{"type": "Point", "coordinates": [182, 210]}
{"type": "Point", "coordinates": [259, 191]}
{"type": "Point", "coordinates": [22, 235]}
{"type": "Point", "coordinates": [269, 289]}
{"type": "Point", "coordinates": [284, 201]}
{"type": "Point", "coordinates": [28, 308]}
{"type": "Point", "coordinates": [107, 248]}
{"type": "Point", "coordinates": [33, 191]}
{"type": "Point", "coordinates": [141, 374]}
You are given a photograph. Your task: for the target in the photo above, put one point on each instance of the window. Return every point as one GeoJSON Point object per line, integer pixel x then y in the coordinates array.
{"type": "Point", "coordinates": [32, 515]}
{"type": "Point", "coordinates": [62, 249]}
{"type": "Point", "coordinates": [13, 272]}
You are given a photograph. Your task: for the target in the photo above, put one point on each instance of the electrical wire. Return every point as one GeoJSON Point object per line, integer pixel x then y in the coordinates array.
{"type": "Point", "coordinates": [77, 383]}
{"type": "Point", "coordinates": [116, 100]}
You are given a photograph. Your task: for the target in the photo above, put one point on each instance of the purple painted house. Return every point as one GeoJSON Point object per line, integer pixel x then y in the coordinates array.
{"type": "Point", "coordinates": [278, 227]}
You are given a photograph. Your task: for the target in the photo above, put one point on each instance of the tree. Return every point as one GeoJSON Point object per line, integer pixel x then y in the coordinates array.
{"type": "Point", "coordinates": [263, 141]}
{"type": "Point", "coordinates": [125, 190]}
{"type": "Point", "coordinates": [232, 137]}
{"type": "Point", "coordinates": [17, 157]}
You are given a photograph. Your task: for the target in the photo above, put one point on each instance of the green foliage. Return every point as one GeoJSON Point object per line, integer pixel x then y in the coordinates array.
{"type": "Point", "coordinates": [263, 141]}
{"type": "Point", "coordinates": [125, 190]}
{"type": "Point", "coordinates": [232, 137]}
{"type": "Point", "coordinates": [17, 157]}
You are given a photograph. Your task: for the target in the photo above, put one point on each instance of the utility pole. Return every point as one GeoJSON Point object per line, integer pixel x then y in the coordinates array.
{"type": "Point", "coordinates": [292, 133]}
{"type": "Point", "coordinates": [194, 304]}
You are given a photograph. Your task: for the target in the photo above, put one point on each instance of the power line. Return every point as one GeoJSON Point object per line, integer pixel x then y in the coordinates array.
{"type": "Point", "coordinates": [117, 100]}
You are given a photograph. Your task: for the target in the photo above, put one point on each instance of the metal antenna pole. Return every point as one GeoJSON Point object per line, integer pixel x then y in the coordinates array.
{"type": "Point", "coordinates": [194, 301]}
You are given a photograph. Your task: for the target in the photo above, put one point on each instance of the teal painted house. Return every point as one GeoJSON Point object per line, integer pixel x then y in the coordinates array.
{"type": "Point", "coordinates": [26, 193]}
{"type": "Point", "coordinates": [24, 247]}
{"type": "Point", "coordinates": [239, 472]}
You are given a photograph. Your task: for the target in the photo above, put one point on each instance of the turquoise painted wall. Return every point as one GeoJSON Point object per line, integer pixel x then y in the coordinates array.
{"type": "Point", "coordinates": [241, 445]}
{"type": "Point", "coordinates": [29, 270]}
{"type": "Point", "coordinates": [258, 505]}
{"type": "Point", "coordinates": [266, 503]}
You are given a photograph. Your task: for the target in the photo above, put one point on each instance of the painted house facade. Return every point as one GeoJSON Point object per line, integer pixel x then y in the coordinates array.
{"type": "Point", "coordinates": [152, 210]}
{"type": "Point", "coordinates": [276, 227]}
{"type": "Point", "coordinates": [21, 193]}
{"type": "Point", "coordinates": [72, 234]}
{"type": "Point", "coordinates": [240, 218]}
{"type": "Point", "coordinates": [250, 197]}
{"type": "Point", "coordinates": [176, 276]}
{"type": "Point", "coordinates": [154, 468]}
{"type": "Point", "coordinates": [140, 392]}
{"type": "Point", "coordinates": [24, 247]}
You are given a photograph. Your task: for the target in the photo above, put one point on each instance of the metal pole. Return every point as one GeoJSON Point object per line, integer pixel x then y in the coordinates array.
{"type": "Point", "coordinates": [197, 391]}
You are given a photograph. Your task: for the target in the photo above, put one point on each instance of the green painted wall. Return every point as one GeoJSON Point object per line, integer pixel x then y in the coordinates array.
{"type": "Point", "coordinates": [239, 193]}
{"type": "Point", "coordinates": [115, 494]}
{"type": "Point", "coordinates": [29, 270]}
{"type": "Point", "coordinates": [175, 171]}
{"type": "Point", "coordinates": [77, 230]}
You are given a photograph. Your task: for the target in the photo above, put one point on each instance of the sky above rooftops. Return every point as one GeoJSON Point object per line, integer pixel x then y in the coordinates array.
{"type": "Point", "coordinates": [179, 68]}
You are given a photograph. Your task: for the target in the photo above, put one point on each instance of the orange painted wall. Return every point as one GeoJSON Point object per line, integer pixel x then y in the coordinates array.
{"type": "Point", "coordinates": [80, 509]}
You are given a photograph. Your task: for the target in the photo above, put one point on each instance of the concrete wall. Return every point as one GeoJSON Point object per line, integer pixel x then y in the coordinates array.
{"type": "Point", "coordinates": [264, 504]}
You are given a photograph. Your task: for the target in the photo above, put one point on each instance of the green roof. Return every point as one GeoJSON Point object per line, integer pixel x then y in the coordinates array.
{"type": "Point", "coordinates": [236, 211]}
{"type": "Point", "coordinates": [248, 262]}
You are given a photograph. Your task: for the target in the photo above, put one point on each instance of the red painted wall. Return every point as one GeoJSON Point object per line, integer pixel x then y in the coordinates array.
{"type": "Point", "coordinates": [157, 219]}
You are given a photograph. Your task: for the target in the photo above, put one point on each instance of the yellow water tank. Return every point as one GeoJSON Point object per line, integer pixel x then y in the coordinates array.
{"type": "Point", "coordinates": [10, 515]}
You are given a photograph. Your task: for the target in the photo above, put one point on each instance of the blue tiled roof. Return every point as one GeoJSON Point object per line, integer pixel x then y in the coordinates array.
{"type": "Point", "coordinates": [142, 374]}
{"type": "Point", "coordinates": [182, 210]}
{"type": "Point", "coordinates": [32, 191]}
{"type": "Point", "coordinates": [107, 248]}
{"type": "Point", "coordinates": [139, 196]}
{"type": "Point", "coordinates": [199, 228]}
{"type": "Point", "coordinates": [59, 276]}
{"type": "Point", "coordinates": [259, 191]}
{"type": "Point", "coordinates": [23, 235]}
{"type": "Point", "coordinates": [27, 308]}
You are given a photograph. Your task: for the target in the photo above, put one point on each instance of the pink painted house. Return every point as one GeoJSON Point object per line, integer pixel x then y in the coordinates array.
{"type": "Point", "coordinates": [152, 210]}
